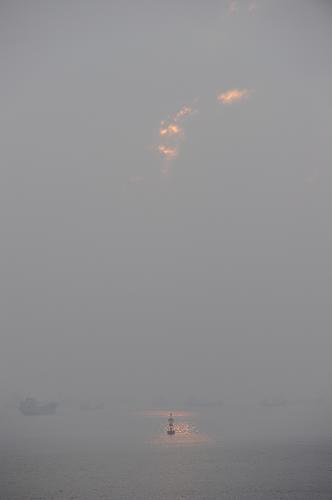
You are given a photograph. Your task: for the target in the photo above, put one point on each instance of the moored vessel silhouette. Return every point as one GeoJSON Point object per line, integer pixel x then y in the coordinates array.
{"type": "Point", "coordinates": [30, 406]}
{"type": "Point", "coordinates": [170, 429]}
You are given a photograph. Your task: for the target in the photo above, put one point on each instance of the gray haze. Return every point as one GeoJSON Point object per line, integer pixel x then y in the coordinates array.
{"type": "Point", "coordinates": [142, 290]}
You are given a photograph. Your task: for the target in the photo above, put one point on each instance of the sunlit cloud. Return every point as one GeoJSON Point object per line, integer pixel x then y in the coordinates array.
{"type": "Point", "coordinates": [169, 130]}
{"type": "Point", "coordinates": [183, 113]}
{"type": "Point", "coordinates": [167, 152]}
{"type": "Point", "coordinates": [232, 96]}
{"type": "Point", "coordinates": [171, 134]}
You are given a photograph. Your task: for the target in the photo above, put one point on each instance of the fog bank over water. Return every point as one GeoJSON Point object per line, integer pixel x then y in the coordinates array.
{"type": "Point", "coordinates": [181, 270]}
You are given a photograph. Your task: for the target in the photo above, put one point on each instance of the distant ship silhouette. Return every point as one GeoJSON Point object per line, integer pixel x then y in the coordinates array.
{"type": "Point", "coordinates": [30, 406]}
{"type": "Point", "coordinates": [170, 429]}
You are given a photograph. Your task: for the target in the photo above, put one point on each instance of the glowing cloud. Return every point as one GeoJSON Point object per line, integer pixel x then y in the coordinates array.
{"type": "Point", "coordinates": [232, 96]}
{"type": "Point", "coordinates": [171, 134]}
{"type": "Point", "coordinates": [169, 130]}
{"type": "Point", "coordinates": [168, 153]}
{"type": "Point", "coordinates": [183, 113]}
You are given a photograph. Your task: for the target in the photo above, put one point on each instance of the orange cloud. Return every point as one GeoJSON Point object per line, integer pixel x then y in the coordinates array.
{"type": "Point", "coordinates": [171, 134]}
{"type": "Point", "coordinates": [168, 153]}
{"type": "Point", "coordinates": [169, 130]}
{"type": "Point", "coordinates": [232, 96]}
{"type": "Point", "coordinates": [183, 113]}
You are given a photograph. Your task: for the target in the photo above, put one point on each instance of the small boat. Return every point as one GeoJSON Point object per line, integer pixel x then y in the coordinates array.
{"type": "Point", "coordinates": [30, 406]}
{"type": "Point", "coordinates": [170, 429]}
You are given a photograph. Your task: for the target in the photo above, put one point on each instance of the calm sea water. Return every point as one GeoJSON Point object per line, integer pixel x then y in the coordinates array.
{"type": "Point", "coordinates": [41, 467]}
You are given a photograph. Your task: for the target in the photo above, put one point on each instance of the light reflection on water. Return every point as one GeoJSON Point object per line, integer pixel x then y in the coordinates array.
{"type": "Point", "coordinates": [186, 432]}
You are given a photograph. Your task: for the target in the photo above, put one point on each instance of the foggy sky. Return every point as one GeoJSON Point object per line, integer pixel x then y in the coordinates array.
{"type": "Point", "coordinates": [213, 282]}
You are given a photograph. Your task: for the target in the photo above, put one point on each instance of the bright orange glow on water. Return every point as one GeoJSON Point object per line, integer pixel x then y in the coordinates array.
{"type": "Point", "coordinates": [186, 432]}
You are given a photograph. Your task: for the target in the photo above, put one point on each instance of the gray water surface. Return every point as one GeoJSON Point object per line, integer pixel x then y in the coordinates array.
{"type": "Point", "coordinates": [296, 470]}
